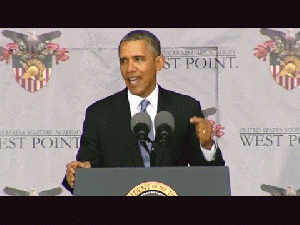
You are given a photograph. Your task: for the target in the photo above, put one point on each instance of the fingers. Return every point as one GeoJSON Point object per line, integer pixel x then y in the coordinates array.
{"type": "Point", "coordinates": [196, 120]}
{"type": "Point", "coordinates": [203, 130]}
{"type": "Point", "coordinates": [87, 164]}
{"type": "Point", "coordinates": [202, 127]}
{"type": "Point", "coordinates": [70, 173]}
{"type": "Point", "coordinates": [70, 178]}
{"type": "Point", "coordinates": [77, 164]}
{"type": "Point", "coordinates": [71, 168]}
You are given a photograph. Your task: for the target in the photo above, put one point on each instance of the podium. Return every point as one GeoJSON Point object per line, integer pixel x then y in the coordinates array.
{"type": "Point", "coordinates": [154, 181]}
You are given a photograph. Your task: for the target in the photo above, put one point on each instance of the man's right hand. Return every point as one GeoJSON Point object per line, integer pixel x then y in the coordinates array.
{"type": "Point", "coordinates": [71, 167]}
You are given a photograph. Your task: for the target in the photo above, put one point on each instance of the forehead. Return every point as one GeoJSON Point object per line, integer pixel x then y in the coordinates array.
{"type": "Point", "coordinates": [131, 48]}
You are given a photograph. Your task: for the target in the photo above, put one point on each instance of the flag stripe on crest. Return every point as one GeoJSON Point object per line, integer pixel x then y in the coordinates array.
{"type": "Point", "coordinates": [23, 81]}
{"type": "Point", "coordinates": [29, 82]}
{"type": "Point", "coordinates": [289, 83]}
{"type": "Point", "coordinates": [275, 71]}
{"type": "Point", "coordinates": [34, 87]}
{"type": "Point", "coordinates": [31, 85]}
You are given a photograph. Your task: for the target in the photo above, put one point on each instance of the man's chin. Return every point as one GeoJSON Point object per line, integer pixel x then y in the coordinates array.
{"type": "Point", "coordinates": [135, 91]}
{"type": "Point", "coordinates": [139, 90]}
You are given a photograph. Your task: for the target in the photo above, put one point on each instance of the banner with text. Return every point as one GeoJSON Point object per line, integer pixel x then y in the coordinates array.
{"type": "Point", "coordinates": [245, 79]}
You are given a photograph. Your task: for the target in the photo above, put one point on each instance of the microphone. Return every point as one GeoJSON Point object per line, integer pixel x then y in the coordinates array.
{"type": "Point", "coordinates": [164, 126]}
{"type": "Point", "coordinates": [140, 126]}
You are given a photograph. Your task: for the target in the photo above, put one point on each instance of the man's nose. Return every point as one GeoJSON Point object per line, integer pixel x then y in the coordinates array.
{"type": "Point", "coordinates": [131, 66]}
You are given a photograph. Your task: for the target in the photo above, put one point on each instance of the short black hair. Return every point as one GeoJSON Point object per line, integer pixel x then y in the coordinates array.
{"type": "Point", "coordinates": [143, 35]}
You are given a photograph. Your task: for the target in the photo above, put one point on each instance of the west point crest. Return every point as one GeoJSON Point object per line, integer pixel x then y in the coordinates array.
{"type": "Point", "coordinates": [32, 57]}
{"type": "Point", "coordinates": [284, 52]}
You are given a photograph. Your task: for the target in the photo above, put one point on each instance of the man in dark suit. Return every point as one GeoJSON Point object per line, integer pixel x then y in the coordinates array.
{"type": "Point", "coordinates": [107, 139]}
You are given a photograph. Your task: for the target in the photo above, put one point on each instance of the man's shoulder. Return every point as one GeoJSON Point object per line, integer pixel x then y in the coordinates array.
{"type": "Point", "coordinates": [183, 104]}
{"type": "Point", "coordinates": [109, 101]}
{"type": "Point", "coordinates": [177, 96]}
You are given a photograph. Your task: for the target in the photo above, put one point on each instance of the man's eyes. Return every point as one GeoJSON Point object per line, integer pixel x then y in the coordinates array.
{"type": "Point", "coordinates": [138, 59]}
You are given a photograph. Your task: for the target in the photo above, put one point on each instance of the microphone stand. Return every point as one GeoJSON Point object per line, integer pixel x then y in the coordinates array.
{"type": "Point", "coordinates": [153, 151]}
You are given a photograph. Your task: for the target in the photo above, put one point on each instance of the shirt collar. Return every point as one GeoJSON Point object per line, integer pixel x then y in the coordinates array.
{"type": "Point", "coordinates": [135, 100]}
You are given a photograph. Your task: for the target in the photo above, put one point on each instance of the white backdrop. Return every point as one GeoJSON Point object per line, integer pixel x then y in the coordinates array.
{"type": "Point", "coordinates": [40, 131]}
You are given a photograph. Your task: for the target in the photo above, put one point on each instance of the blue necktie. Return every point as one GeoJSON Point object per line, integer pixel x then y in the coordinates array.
{"type": "Point", "coordinates": [144, 105]}
{"type": "Point", "coordinates": [144, 152]}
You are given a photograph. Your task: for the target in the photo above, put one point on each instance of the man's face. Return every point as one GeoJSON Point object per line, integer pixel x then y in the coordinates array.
{"type": "Point", "coordinates": [139, 66]}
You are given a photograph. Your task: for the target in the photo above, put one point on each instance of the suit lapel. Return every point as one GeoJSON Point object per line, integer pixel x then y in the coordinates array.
{"type": "Point", "coordinates": [164, 100]}
{"type": "Point", "coordinates": [123, 121]}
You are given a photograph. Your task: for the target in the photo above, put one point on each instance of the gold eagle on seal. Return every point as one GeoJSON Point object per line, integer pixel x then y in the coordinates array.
{"type": "Point", "coordinates": [152, 188]}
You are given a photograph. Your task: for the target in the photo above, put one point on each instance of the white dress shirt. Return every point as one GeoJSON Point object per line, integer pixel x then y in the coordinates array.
{"type": "Point", "coordinates": [135, 107]}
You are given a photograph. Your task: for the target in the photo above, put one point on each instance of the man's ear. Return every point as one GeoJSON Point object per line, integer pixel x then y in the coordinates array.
{"type": "Point", "coordinates": [160, 62]}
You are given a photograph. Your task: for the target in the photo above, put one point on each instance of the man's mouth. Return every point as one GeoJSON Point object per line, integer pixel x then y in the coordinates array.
{"type": "Point", "coordinates": [134, 80]}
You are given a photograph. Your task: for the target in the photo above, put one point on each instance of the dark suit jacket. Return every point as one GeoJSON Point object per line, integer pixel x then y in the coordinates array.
{"type": "Point", "coordinates": [107, 139]}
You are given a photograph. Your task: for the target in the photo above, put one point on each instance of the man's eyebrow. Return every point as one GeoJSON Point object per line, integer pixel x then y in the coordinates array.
{"type": "Point", "coordinates": [134, 56]}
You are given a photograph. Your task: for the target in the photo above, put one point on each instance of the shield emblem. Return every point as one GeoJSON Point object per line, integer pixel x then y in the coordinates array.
{"type": "Point", "coordinates": [33, 74]}
{"type": "Point", "coordinates": [285, 70]}
{"type": "Point", "coordinates": [32, 57]}
{"type": "Point", "coordinates": [284, 50]}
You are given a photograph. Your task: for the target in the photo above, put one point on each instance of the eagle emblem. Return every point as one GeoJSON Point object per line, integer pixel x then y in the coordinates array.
{"type": "Point", "coordinates": [32, 192]}
{"type": "Point", "coordinates": [32, 57]}
{"type": "Point", "coordinates": [284, 51]}
{"type": "Point", "coordinates": [276, 191]}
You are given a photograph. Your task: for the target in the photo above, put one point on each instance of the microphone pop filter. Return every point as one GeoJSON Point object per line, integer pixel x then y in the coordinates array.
{"type": "Point", "coordinates": [140, 118]}
{"type": "Point", "coordinates": [164, 117]}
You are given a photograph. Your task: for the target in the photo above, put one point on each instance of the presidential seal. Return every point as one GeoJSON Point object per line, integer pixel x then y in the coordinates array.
{"type": "Point", "coordinates": [152, 188]}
